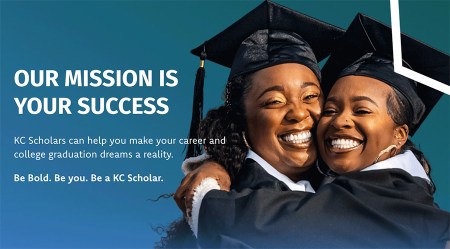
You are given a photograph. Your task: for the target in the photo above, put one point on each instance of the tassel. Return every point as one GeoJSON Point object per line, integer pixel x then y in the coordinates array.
{"type": "Point", "coordinates": [197, 108]}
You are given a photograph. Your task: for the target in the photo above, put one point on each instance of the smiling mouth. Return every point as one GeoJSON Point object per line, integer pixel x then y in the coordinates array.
{"type": "Point", "coordinates": [297, 138]}
{"type": "Point", "coordinates": [344, 144]}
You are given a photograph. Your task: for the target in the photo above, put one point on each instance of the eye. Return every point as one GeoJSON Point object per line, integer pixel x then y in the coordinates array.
{"type": "Point", "coordinates": [329, 111]}
{"type": "Point", "coordinates": [273, 103]}
{"type": "Point", "coordinates": [310, 97]}
{"type": "Point", "coordinates": [363, 111]}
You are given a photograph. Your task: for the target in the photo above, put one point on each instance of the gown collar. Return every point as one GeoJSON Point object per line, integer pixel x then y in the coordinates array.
{"type": "Point", "coordinates": [405, 161]}
{"type": "Point", "coordinates": [302, 185]}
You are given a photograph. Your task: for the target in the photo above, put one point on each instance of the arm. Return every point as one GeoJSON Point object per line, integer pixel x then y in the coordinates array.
{"type": "Point", "coordinates": [192, 163]}
{"type": "Point", "coordinates": [257, 218]}
{"type": "Point", "coordinates": [185, 192]}
{"type": "Point", "coordinates": [362, 210]}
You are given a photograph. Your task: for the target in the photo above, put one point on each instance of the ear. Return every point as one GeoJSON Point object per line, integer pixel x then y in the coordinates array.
{"type": "Point", "coordinates": [401, 135]}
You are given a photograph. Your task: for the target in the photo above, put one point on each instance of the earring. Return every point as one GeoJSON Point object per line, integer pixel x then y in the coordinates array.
{"type": "Point", "coordinates": [245, 141]}
{"type": "Point", "coordinates": [387, 150]}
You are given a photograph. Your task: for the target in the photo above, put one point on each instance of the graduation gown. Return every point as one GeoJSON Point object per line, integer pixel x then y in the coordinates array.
{"type": "Point", "coordinates": [371, 209]}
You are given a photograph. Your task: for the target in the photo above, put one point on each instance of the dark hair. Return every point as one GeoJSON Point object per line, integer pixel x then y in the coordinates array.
{"type": "Point", "coordinates": [401, 112]}
{"type": "Point", "coordinates": [177, 235]}
{"type": "Point", "coordinates": [229, 122]}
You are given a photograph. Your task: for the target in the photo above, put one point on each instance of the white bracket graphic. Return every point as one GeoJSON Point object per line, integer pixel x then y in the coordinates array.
{"type": "Point", "coordinates": [397, 50]}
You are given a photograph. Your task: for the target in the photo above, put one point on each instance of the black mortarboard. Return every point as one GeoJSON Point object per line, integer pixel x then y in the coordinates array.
{"type": "Point", "coordinates": [241, 49]}
{"type": "Point", "coordinates": [268, 35]}
{"type": "Point", "coordinates": [366, 50]}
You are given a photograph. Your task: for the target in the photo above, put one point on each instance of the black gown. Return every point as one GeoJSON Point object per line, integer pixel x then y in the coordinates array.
{"type": "Point", "coordinates": [371, 209]}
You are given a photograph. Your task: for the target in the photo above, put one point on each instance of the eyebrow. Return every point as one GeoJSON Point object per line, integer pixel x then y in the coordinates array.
{"type": "Point", "coordinates": [306, 84]}
{"type": "Point", "coordinates": [281, 88]}
{"type": "Point", "coordinates": [355, 99]}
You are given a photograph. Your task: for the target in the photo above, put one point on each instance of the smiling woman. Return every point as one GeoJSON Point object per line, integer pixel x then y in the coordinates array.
{"type": "Point", "coordinates": [351, 123]}
{"type": "Point", "coordinates": [282, 106]}
{"type": "Point", "coordinates": [382, 196]}
{"type": "Point", "coordinates": [273, 98]}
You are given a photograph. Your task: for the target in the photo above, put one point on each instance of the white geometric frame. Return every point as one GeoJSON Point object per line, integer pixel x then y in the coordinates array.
{"type": "Point", "coordinates": [397, 49]}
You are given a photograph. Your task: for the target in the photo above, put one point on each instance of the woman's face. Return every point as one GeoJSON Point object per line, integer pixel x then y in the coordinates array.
{"type": "Point", "coordinates": [355, 126]}
{"type": "Point", "coordinates": [282, 107]}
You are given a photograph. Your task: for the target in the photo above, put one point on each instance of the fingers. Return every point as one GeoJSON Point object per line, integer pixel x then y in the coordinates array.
{"type": "Point", "coordinates": [185, 193]}
{"type": "Point", "coordinates": [224, 183]}
{"type": "Point", "coordinates": [180, 193]}
{"type": "Point", "coordinates": [219, 173]}
{"type": "Point", "coordinates": [194, 182]}
{"type": "Point", "coordinates": [189, 198]}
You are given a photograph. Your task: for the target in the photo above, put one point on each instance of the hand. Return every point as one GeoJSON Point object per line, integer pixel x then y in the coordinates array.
{"type": "Point", "coordinates": [185, 192]}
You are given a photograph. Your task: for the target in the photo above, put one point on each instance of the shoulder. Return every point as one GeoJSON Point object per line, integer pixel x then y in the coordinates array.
{"type": "Point", "coordinates": [390, 184]}
{"type": "Point", "coordinates": [253, 176]}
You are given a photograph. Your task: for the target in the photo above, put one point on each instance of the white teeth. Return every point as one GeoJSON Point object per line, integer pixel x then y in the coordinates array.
{"type": "Point", "coordinates": [344, 143]}
{"type": "Point", "coordinates": [297, 138]}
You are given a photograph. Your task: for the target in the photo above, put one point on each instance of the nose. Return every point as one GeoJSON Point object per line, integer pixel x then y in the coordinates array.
{"type": "Point", "coordinates": [342, 121]}
{"type": "Point", "coordinates": [297, 113]}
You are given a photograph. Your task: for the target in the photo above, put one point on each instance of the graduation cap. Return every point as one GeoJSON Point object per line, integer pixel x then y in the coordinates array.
{"type": "Point", "coordinates": [268, 35]}
{"type": "Point", "coordinates": [366, 50]}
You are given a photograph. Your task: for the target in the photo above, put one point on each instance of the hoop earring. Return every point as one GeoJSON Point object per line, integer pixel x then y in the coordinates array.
{"type": "Point", "coordinates": [387, 150]}
{"type": "Point", "coordinates": [245, 141]}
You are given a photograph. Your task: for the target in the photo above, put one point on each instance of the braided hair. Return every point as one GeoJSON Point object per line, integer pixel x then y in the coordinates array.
{"type": "Point", "coordinates": [228, 121]}
{"type": "Point", "coordinates": [401, 112]}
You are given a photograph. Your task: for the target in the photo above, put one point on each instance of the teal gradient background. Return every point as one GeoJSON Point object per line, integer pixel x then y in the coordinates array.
{"type": "Point", "coordinates": [121, 35]}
